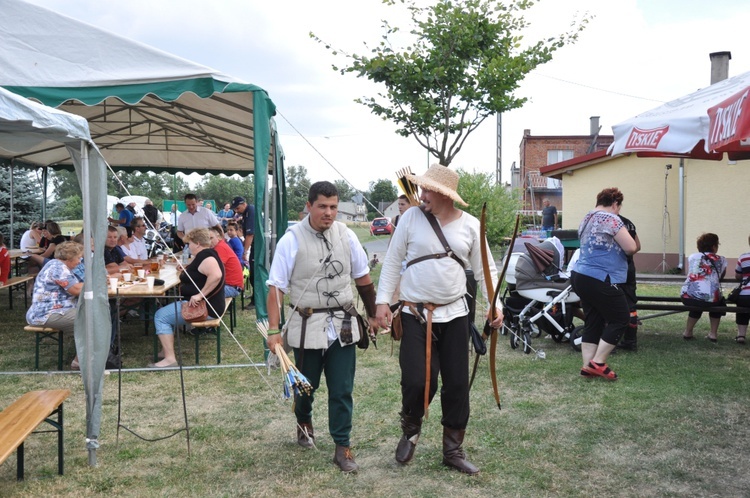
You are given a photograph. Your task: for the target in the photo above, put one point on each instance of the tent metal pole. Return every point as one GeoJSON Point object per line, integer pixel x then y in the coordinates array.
{"type": "Point", "coordinates": [44, 193]}
{"type": "Point", "coordinates": [11, 204]}
{"type": "Point", "coordinates": [88, 295]}
{"type": "Point", "coordinates": [681, 256]}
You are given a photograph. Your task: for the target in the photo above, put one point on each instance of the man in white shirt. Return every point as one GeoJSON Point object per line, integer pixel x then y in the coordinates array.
{"type": "Point", "coordinates": [315, 262]}
{"type": "Point", "coordinates": [139, 231]}
{"type": "Point", "coordinates": [433, 287]}
{"type": "Point", "coordinates": [195, 217]}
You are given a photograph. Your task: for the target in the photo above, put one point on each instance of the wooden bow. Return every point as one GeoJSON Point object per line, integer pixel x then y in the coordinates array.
{"type": "Point", "coordinates": [492, 295]}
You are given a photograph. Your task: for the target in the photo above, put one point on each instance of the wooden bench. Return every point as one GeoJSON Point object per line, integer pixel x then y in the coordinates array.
{"type": "Point", "coordinates": [20, 419]}
{"type": "Point", "coordinates": [18, 283]}
{"type": "Point", "coordinates": [214, 327]}
{"type": "Point", "coordinates": [671, 305]}
{"type": "Point", "coordinates": [41, 333]}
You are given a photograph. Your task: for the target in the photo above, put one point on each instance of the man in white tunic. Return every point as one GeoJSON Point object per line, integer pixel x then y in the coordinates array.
{"type": "Point", "coordinates": [433, 289]}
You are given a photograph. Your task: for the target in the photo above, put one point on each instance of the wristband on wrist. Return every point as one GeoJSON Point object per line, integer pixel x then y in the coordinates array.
{"type": "Point", "coordinates": [273, 332]}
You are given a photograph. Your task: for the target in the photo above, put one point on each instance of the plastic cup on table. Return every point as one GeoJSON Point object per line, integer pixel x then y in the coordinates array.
{"type": "Point", "coordinates": [150, 282]}
{"type": "Point", "coordinates": [113, 283]}
{"type": "Point", "coordinates": [126, 277]}
{"type": "Point", "coordinates": [141, 274]}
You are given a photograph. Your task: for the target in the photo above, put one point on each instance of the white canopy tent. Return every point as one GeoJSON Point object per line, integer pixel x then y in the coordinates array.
{"type": "Point", "coordinates": [24, 126]}
{"type": "Point", "coordinates": [147, 110]}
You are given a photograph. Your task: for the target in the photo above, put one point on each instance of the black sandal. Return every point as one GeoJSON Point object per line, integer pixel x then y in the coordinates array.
{"type": "Point", "coordinates": [740, 339]}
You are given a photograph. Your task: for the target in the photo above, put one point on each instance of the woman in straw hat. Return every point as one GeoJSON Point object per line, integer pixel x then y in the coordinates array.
{"type": "Point", "coordinates": [433, 289]}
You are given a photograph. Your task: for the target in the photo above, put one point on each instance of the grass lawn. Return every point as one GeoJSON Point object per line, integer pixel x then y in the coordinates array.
{"type": "Point", "coordinates": [675, 424]}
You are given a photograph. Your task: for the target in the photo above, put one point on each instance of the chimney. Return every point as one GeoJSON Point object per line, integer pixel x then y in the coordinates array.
{"type": "Point", "coordinates": [594, 126]}
{"type": "Point", "coordinates": [719, 66]}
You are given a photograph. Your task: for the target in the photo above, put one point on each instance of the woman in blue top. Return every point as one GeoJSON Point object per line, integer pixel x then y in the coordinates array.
{"type": "Point", "coordinates": [605, 245]}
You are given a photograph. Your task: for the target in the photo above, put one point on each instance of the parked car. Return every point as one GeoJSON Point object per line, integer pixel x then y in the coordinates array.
{"type": "Point", "coordinates": [381, 226]}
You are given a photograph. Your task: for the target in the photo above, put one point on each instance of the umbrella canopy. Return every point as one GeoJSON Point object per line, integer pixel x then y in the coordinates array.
{"type": "Point", "coordinates": [541, 257]}
{"type": "Point", "coordinates": [702, 125]}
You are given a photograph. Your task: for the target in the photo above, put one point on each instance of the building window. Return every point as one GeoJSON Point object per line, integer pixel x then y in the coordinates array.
{"type": "Point", "coordinates": [556, 156]}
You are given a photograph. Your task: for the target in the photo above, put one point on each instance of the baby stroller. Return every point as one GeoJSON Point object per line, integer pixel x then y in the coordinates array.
{"type": "Point", "coordinates": [538, 297]}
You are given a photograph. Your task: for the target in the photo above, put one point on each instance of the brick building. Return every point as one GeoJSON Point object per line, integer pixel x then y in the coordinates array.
{"type": "Point", "coordinates": [539, 151]}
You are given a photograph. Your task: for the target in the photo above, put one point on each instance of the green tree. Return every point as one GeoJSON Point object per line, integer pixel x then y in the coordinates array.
{"type": "Point", "coordinates": [297, 188]}
{"type": "Point", "coordinates": [346, 192]}
{"type": "Point", "coordinates": [27, 202]}
{"type": "Point", "coordinates": [381, 191]}
{"type": "Point", "coordinates": [464, 63]}
{"type": "Point", "coordinates": [502, 204]}
{"type": "Point", "coordinates": [223, 189]}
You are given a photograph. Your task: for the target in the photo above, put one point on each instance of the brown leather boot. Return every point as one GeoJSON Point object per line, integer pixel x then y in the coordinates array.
{"type": "Point", "coordinates": [453, 454]}
{"type": "Point", "coordinates": [411, 427]}
{"type": "Point", "coordinates": [305, 436]}
{"type": "Point", "coordinates": [344, 458]}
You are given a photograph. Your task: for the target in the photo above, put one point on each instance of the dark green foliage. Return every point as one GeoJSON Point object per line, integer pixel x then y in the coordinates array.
{"type": "Point", "coordinates": [464, 62]}
{"type": "Point", "coordinates": [478, 188]}
{"type": "Point", "coordinates": [27, 202]}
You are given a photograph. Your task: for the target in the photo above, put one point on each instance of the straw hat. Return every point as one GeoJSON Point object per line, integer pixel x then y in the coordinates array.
{"type": "Point", "coordinates": [440, 179]}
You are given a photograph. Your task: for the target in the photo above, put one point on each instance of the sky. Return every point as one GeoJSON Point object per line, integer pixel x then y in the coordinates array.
{"type": "Point", "coordinates": [632, 56]}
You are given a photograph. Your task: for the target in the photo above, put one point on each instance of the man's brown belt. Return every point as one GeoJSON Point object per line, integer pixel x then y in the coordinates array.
{"type": "Point", "coordinates": [306, 313]}
{"type": "Point", "coordinates": [415, 310]}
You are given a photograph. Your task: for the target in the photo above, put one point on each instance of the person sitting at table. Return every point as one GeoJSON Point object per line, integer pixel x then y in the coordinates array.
{"type": "Point", "coordinates": [234, 280]}
{"type": "Point", "coordinates": [114, 261]}
{"type": "Point", "coordinates": [54, 236]}
{"type": "Point", "coordinates": [4, 261]}
{"type": "Point", "coordinates": [203, 279]}
{"type": "Point", "coordinates": [234, 241]}
{"type": "Point", "coordinates": [702, 286]}
{"type": "Point", "coordinates": [56, 291]}
{"type": "Point", "coordinates": [131, 250]}
{"type": "Point", "coordinates": [31, 237]}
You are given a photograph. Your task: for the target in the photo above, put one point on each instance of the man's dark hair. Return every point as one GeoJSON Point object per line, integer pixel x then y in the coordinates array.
{"type": "Point", "coordinates": [110, 228]}
{"type": "Point", "coordinates": [120, 205]}
{"type": "Point", "coordinates": [404, 197]}
{"type": "Point", "coordinates": [326, 189]}
{"type": "Point", "coordinates": [191, 197]}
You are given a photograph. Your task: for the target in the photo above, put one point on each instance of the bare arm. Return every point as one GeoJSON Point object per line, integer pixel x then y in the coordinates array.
{"type": "Point", "coordinates": [273, 304]}
{"type": "Point", "coordinates": [625, 241]}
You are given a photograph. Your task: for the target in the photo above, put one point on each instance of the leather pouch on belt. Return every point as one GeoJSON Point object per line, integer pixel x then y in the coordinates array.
{"type": "Point", "coordinates": [397, 330]}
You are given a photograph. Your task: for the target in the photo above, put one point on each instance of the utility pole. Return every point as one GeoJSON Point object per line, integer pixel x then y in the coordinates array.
{"type": "Point", "coordinates": [499, 166]}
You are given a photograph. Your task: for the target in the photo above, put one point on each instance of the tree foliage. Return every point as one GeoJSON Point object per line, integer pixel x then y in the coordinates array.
{"type": "Point", "coordinates": [27, 202]}
{"type": "Point", "coordinates": [297, 188]}
{"type": "Point", "coordinates": [223, 189]}
{"type": "Point", "coordinates": [346, 192]}
{"type": "Point", "coordinates": [465, 62]}
{"type": "Point", "coordinates": [67, 203]}
{"type": "Point", "coordinates": [381, 191]}
{"type": "Point", "coordinates": [502, 204]}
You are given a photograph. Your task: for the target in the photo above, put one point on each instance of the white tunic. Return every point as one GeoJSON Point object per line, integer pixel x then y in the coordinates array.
{"type": "Point", "coordinates": [437, 281]}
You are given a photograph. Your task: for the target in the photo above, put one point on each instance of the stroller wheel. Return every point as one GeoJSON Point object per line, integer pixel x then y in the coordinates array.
{"type": "Point", "coordinates": [557, 337]}
{"type": "Point", "coordinates": [527, 343]}
{"type": "Point", "coordinates": [575, 338]}
{"type": "Point", "coordinates": [514, 339]}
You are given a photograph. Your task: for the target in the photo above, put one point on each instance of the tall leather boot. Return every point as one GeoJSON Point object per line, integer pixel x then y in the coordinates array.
{"type": "Point", "coordinates": [411, 427]}
{"type": "Point", "coordinates": [453, 454]}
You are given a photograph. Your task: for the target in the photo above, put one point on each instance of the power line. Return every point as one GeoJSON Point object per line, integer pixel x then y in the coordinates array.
{"type": "Point", "coordinates": [601, 89]}
{"type": "Point", "coordinates": [329, 163]}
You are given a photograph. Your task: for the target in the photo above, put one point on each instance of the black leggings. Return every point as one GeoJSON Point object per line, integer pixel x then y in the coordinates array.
{"type": "Point", "coordinates": [605, 307]}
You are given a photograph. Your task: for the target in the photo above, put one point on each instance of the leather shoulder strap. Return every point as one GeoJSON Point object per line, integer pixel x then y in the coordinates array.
{"type": "Point", "coordinates": [439, 232]}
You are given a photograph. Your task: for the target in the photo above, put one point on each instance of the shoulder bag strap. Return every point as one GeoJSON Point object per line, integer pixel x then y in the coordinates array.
{"type": "Point", "coordinates": [448, 251]}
